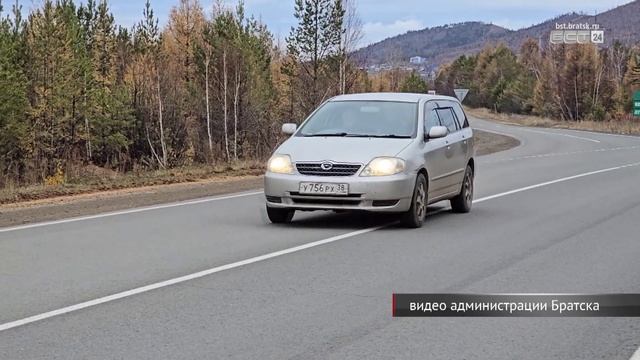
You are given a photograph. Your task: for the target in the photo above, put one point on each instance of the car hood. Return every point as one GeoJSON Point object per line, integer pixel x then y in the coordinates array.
{"type": "Point", "coordinates": [341, 149]}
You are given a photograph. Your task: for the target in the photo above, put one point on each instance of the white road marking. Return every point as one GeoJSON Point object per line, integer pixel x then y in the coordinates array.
{"type": "Point", "coordinates": [158, 285]}
{"type": "Point", "coordinates": [636, 355]}
{"type": "Point", "coordinates": [560, 134]}
{"type": "Point", "coordinates": [555, 182]}
{"type": "Point", "coordinates": [182, 279]}
{"type": "Point", "coordinates": [523, 127]}
{"type": "Point", "coordinates": [635, 137]}
{"type": "Point", "coordinates": [129, 211]}
{"type": "Point", "coordinates": [561, 154]}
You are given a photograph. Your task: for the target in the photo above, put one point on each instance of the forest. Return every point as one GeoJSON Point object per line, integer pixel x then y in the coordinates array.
{"type": "Point", "coordinates": [213, 87]}
{"type": "Point", "coordinates": [565, 82]}
{"type": "Point", "coordinates": [210, 87]}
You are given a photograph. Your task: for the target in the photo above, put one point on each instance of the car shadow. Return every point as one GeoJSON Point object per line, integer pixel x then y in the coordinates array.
{"type": "Point", "coordinates": [353, 220]}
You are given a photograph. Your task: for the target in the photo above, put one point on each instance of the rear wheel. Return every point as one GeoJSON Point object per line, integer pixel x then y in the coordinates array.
{"type": "Point", "coordinates": [463, 201]}
{"type": "Point", "coordinates": [418, 210]}
{"type": "Point", "coordinates": [280, 216]}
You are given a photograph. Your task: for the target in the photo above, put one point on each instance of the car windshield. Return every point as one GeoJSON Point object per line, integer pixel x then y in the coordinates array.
{"type": "Point", "coordinates": [392, 119]}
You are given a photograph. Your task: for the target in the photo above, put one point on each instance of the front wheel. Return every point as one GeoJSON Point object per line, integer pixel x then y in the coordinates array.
{"type": "Point", "coordinates": [280, 216]}
{"type": "Point", "coordinates": [418, 210]}
{"type": "Point", "coordinates": [463, 201]}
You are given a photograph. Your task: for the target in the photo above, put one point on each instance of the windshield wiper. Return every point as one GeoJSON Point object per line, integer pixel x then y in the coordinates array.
{"type": "Point", "coordinates": [340, 134]}
{"type": "Point", "coordinates": [344, 134]}
{"type": "Point", "coordinates": [390, 136]}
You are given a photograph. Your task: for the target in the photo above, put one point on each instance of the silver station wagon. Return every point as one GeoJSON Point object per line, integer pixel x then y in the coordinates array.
{"type": "Point", "coordinates": [382, 152]}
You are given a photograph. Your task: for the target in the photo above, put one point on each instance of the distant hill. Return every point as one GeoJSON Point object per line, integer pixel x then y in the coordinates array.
{"type": "Point", "coordinates": [445, 43]}
{"type": "Point", "coordinates": [429, 43]}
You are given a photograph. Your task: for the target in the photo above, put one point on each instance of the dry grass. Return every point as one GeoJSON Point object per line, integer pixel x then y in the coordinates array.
{"type": "Point", "coordinates": [627, 126]}
{"type": "Point", "coordinates": [99, 181]}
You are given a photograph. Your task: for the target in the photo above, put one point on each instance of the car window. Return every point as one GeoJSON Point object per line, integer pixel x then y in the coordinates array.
{"type": "Point", "coordinates": [431, 118]}
{"type": "Point", "coordinates": [462, 117]}
{"type": "Point", "coordinates": [447, 119]}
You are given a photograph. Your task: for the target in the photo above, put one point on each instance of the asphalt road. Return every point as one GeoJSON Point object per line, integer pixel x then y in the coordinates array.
{"type": "Point", "coordinates": [547, 220]}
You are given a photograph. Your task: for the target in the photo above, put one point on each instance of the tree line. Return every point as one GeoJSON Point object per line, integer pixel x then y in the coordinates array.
{"type": "Point", "coordinates": [76, 89]}
{"type": "Point", "coordinates": [210, 87]}
{"type": "Point", "coordinates": [567, 82]}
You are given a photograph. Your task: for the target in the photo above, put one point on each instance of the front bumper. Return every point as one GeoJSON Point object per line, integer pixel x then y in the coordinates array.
{"type": "Point", "coordinates": [380, 194]}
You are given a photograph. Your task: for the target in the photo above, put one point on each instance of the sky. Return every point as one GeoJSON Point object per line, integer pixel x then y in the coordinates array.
{"type": "Point", "coordinates": [384, 18]}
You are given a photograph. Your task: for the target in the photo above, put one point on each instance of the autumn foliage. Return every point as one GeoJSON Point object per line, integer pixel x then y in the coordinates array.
{"type": "Point", "coordinates": [565, 82]}
{"type": "Point", "coordinates": [208, 87]}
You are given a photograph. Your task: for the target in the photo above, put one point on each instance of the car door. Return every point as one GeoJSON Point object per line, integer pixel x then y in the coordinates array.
{"type": "Point", "coordinates": [434, 152]}
{"type": "Point", "coordinates": [455, 152]}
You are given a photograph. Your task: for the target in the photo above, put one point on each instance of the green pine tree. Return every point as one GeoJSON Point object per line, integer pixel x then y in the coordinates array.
{"type": "Point", "coordinates": [312, 43]}
{"type": "Point", "coordinates": [14, 130]}
{"type": "Point", "coordinates": [108, 110]}
{"type": "Point", "coordinates": [414, 84]}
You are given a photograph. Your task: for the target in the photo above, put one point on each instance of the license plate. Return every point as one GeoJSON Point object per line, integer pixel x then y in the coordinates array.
{"type": "Point", "coordinates": [324, 188]}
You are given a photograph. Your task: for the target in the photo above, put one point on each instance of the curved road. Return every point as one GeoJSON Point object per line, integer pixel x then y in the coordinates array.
{"type": "Point", "coordinates": [212, 279]}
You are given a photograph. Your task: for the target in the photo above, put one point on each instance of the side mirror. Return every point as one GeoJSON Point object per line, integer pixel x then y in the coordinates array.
{"type": "Point", "coordinates": [289, 129]}
{"type": "Point", "coordinates": [437, 132]}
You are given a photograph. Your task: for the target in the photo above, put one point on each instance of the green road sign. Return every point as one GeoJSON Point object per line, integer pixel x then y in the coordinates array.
{"type": "Point", "coordinates": [636, 103]}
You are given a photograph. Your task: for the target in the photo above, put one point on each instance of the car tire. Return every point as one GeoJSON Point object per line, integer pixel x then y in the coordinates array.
{"type": "Point", "coordinates": [280, 216]}
{"type": "Point", "coordinates": [462, 202]}
{"type": "Point", "coordinates": [414, 217]}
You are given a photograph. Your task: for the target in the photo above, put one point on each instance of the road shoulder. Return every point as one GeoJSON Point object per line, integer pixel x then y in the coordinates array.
{"type": "Point", "coordinates": [101, 202]}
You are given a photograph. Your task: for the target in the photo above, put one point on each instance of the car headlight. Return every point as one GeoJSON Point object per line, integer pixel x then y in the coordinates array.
{"type": "Point", "coordinates": [280, 164]}
{"type": "Point", "coordinates": [383, 166]}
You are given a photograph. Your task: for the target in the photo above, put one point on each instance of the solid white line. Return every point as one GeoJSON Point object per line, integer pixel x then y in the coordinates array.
{"type": "Point", "coordinates": [523, 127]}
{"type": "Point", "coordinates": [562, 154]}
{"type": "Point", "coordinates": [143, 289]}
{"type": "Point", "coordinates": [636, 137]}
{"type": "Point", "coordinates": [561, 134]}
{"type": "Point", "coordinates": [554, 182]}
{"type": "Point", "coordinates": [129, 211]}
{"type": "Point", "coordinates": [181, 279]}
{"type": "Point", "coordinates": [636, 355]}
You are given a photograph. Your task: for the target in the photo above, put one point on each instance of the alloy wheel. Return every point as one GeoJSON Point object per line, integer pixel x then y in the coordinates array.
{"type": "Point", "coordinates": [421, 201]}
{"type": "Point", "coordinates": [468, 188]}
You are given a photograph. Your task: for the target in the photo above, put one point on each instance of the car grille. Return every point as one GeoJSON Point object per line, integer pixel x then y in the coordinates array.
{"type": "Point", "coordinates": [336, 169]}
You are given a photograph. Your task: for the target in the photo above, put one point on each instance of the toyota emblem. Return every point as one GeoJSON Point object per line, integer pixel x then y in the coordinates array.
{"type": "Point", "coordinates": [326, 166]}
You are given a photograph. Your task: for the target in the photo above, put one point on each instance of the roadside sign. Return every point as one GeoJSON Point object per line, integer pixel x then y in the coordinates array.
{"type": "Point", "coordinates": [636, 103]}
{"type": "Point", "coordinates": [461, 93]}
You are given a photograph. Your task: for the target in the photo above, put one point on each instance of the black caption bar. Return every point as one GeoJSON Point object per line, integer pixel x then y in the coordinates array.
{"type": "Point", "coordinates": [516, 305]}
